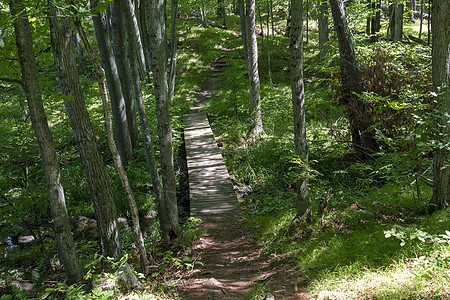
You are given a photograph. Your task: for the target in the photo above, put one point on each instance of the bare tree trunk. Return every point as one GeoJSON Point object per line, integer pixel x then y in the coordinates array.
{"type": "Point", "coordinates": [243, 23]}
{"type": "Point", "coordinates": [398, 26]}
{"type": "Point", "coordinates": [421, 18]}
{"type": "Point", "coordinates": [134, 35]}
{"type": "Point", "coordinates": [105, 210]}
{"type": "Point", "coordinates": [256, 129]}
{"type": "Point", "coordinates": [115, 154]}
{"type": "Point", "coordinates": [30, 79]}
{"type": "Point", "coordinates": [173, 47]}
{"type": "Point", "coordinates": [114, 86]}
{"type": "Point", "coordinates": [167, 208]}
{"type": "Point", "coordinates": [145, 36]}
{"type": "Point", "coordinates": [441, 85]}
{"type": "Point", "coordinates": [363, 137]}
{"type": "Point", "coordinates": [119, 36]}
{"type": "Point", "coordinates": [268, 42]}
{"type": "Point", "coordinates": [298, 104]}
{"type": "Point", "coordinates": [322, 19]}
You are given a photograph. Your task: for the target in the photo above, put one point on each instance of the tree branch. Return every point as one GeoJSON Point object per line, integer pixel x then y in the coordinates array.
{"type": "Point", "coordinates": [11, 80]}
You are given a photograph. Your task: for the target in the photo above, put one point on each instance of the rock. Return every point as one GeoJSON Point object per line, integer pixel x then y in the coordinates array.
{"type": "Point", "coordinates": [269, 296]}
{"type": "Point", "coordinates": [212, 282]}
{"type": "Point", "coordinates": [85, 227]}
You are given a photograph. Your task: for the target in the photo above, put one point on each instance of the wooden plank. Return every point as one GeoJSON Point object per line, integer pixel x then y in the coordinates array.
{"type": "Point", "coordinates": [210, 188]}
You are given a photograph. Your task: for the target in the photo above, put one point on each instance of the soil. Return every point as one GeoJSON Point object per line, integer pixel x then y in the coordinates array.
{"type": "Point", "coordinates": [228, 262]}
{"type": "Point", "coordinates": [229, 265]}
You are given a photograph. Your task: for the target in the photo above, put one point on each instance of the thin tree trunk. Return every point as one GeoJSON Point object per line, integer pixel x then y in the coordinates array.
{"type": "Point", "coordinates": [173, 47]}
{"type": "Point", "coordinates": [298, 103]}
{"type": "Point", "coordinates": [114, 87]}
{"type": "Point", "coordinates": [268, 43]}
{"type": "Point", "coordinates": [430, 15]}
{"type": "Point", "coordinates": [102, 197]}
{"type": "Point", "coordinates": [134, 35]}
{"type": "Point", "coordinates": [322, 19]}
{"type": "Point", "coordinates": [115, 154]}
{"type": "Point", "coordinates": [307, 21]}
{"type": "Point", "coordinates": [256, 129]}
{"type": "Point", "coordinates": [243, 22]}
{"type": "Point", "coordinates": [119, 36]}
{"type": "Point", "coordinates": [30, 79]}
{"type": "Point", "coordinates": [167, 208]}
{"type": "Point", "coordinates": [441, 85]}
{"type": "Point", "coordinates": [145, 35]}
{"type": "Point", "coordinates": [421, 19]}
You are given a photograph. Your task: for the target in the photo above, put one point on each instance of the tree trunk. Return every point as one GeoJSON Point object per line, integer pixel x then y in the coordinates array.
{"type": "Point", "coordinates": [322, 19]}
{"type": "Point", "coordinates": [256, 129]}
{"type": "Point", "coordinates": [134, 35]}
{"type": "Point", "coordinates": [114, 87]}
{"type": "Point", "coordinates": [115, 154]}
{"type": "Point", "coordinates": [243, 22]}
{"type": "Point", "coordinates": [30, 79]}
{"type": "Point", "coordinates": [173, 47]}
{"type": "Point", "coordinates": [167, 208]}
{"type": "Point", "coordinates": [441, 85]}
{"type": "Point", "coordinates": [398, 23]}
{"type": "Point", "coordinates": [298, 104]}
{"type": "Point", "coordinates": [145, 36]}
{"type": "Point", "coordinates": [363, 137]}
{"type": "Point", "coordinates": [119, 36]}
{"type": "Point", "coordinates": [105, 210]}
{"type": "Point", "coordinates": [376, 21]}
{"type": "Point", "coordinates": [421, 18]}
{"type": "Point", "coordinates": [269, 70]}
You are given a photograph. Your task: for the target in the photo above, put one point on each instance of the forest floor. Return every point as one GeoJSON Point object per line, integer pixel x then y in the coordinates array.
{"type": "Point", "coordinates": [228, 262]}
{"type": "Point", "coordinates": [230, 265]}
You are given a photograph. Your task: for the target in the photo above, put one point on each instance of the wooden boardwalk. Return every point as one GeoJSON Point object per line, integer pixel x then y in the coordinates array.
{"type": "Point", "coordinates": [211, 191]}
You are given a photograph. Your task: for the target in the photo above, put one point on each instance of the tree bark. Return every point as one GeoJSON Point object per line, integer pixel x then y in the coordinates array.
{"type": "Point", "coordinates": [256, 129]}
{"type": "Point", "coordinates": [363, 137]}
{"type": "Point", "coordinates": [173, 47]}
{"type": "Point", "coordinates": [105, 210]}
{"type": "Point", "coordinates": [115, 154]}
{"type": "Point", "coordinates": [243, 23]}
{"type": "Point", "coordinates": [114, 87]}
{"type": "Point", "coordinates": [134, 35]}
{"type": "Point", "coordinates": [322, 19]}
{"type": "Point", "coordinates": [30, 79]}
{"type": "Point", "coordinates": [441, 85]}
{"type": "Point", "coordinates": [119, 36]}
{"type": "Point", "coordinates": [398, 23]}
{"type": "Point", "coordinates": [167, 208]}
{"type": "Point", "coordinates": [298, 104]}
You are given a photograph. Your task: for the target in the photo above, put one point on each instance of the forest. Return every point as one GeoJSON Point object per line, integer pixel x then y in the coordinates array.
{"type": "Point", "coordinates": [332, 118]}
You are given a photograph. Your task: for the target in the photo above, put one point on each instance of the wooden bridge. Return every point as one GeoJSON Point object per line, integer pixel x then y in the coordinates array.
{"type": "Point", "coordinates": [211, 191]}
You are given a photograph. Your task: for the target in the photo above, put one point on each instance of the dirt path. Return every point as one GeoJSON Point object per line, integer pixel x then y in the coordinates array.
{"type": "Point", "coordinates": [229, 265]}
{"type": "Point", "coordinates": [228, 262]}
